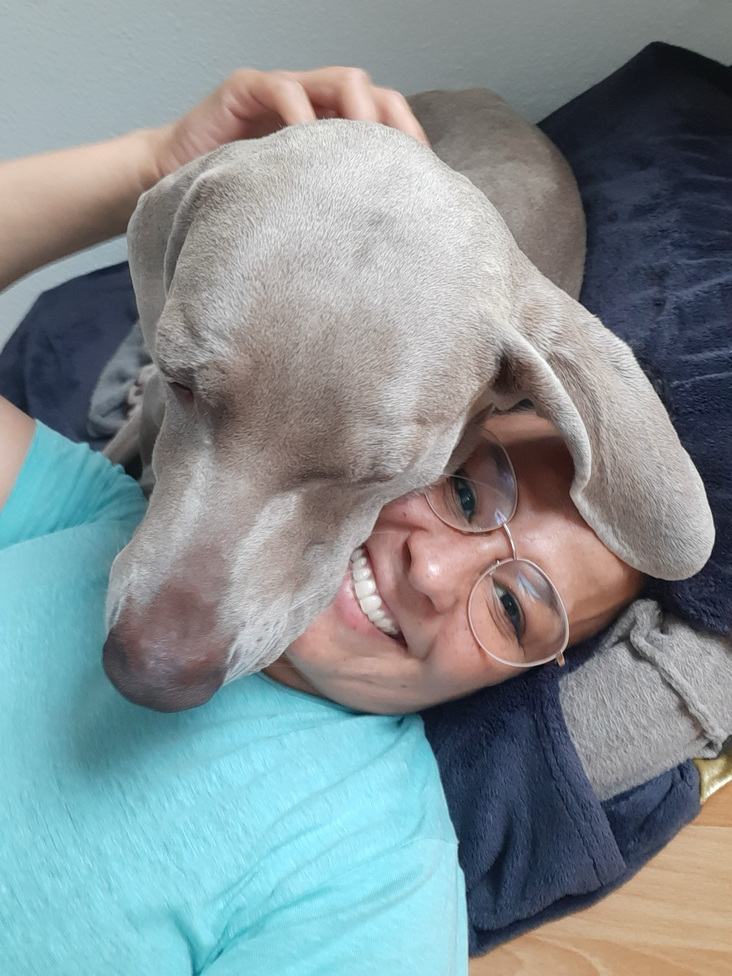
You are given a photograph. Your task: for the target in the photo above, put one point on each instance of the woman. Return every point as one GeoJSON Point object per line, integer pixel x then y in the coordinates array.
{"type": "Point", "coordinates": [269, 830]}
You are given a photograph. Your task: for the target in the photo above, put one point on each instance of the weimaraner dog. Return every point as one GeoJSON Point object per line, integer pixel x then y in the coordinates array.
{"type": "Point", "coordinates": [332, 311]}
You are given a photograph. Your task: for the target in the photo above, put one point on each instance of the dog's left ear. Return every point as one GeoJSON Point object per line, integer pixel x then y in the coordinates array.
{"type": "Point", "coordinates": [634, 483]}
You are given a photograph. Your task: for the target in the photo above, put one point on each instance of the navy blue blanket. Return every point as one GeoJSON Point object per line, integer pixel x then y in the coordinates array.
{"type": "Point", "coordinates": [650, 147]}
{"type": "Point", "coordinates": [50, 365]}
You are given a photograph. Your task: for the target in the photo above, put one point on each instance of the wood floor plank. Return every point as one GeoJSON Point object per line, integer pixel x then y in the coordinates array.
{"type": "Point", "coordinates": [717, 811]}
{"type": "Point", "coordinates": [673, 919]}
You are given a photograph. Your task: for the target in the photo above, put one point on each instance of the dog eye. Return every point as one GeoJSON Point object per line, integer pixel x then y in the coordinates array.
{"type": "Point", "coordinates": [183, 393]}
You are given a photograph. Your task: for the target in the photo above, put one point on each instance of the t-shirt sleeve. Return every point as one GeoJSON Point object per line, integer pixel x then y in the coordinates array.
{"type": "Point", "coordinates": [403, 912]}
{"type": "Point", "coordinates": [62, 485]}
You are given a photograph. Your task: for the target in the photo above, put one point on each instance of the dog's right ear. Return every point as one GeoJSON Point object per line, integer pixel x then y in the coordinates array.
{"type": "Point", "coordinates": [158, 228]}
{"type": "Point", "coordinates": [154, 231]}
{"type": "Point", "coordinates": [634, 483]}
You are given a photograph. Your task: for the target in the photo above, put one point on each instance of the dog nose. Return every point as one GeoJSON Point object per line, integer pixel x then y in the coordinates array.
{"type": "Point", "coordinates": [166, 680]}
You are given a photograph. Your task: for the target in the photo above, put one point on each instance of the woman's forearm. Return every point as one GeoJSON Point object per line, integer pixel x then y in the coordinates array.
{"type": "Point", "coordinates": [56, 203]}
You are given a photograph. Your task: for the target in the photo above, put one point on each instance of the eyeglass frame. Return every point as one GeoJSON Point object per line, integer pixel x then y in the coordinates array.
{"type": "Point", "coordinates": [558, 656]}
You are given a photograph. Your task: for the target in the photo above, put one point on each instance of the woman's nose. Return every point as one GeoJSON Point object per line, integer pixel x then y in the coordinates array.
{"type": "Point", "coordinates": [443, 562]}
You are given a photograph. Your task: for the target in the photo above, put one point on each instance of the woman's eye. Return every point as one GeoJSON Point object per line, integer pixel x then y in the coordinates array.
{"type": "Point", "coordinates": [465, 497]}
{"type": "Point", "coordinates": [511, 608]}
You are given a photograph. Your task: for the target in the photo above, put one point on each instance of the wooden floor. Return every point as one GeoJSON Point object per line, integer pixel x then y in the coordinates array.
{"type": "Point", "coordinates": [674, 918]}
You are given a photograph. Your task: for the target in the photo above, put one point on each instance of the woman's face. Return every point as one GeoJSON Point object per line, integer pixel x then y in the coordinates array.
{"type": "Point", "coordinates": [424, 572]}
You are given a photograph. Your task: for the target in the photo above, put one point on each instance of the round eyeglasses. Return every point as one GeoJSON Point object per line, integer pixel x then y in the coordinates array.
{"type": "Point", "coordinates": [514, 610]}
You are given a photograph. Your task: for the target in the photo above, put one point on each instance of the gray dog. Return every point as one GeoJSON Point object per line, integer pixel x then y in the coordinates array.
{"type": "Point", "coordinates": [333, 311]}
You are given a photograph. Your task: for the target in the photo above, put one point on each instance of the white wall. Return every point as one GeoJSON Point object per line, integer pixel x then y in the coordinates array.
{"type": "Point", "coordinates": [79, 70]}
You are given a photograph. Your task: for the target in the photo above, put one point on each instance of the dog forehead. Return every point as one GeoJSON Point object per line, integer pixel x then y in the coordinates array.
{"type": "Point", "coordinates": [303, 247]}
{"type": "Point", "coordinates": [317, 277]}
{"type": "Point", "coordinates": [331, 199]}
{"type": "Point", "coordinates": [340, 163]}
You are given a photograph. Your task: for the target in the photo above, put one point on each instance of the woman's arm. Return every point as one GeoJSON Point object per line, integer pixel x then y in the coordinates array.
{"type": "Point", "coordinates": [60, 202]}
{"type": "Point", "coordinates": [57, 203]}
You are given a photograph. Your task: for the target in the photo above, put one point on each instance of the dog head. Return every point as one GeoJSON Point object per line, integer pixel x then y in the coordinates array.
{"type": "Point", "coordinates": [331, 309]}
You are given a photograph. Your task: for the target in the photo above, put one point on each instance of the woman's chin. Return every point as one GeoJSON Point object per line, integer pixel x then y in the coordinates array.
{"type": "Point", "coordinates": [346, 658]}
{"type": "Point", "coordinates": [365, 675]}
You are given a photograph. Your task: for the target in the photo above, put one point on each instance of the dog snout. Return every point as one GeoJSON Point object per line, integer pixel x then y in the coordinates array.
{"type": "Point", "coordinates": [169, 657]}
{"type": "Point", "coordinates": [164, 682]}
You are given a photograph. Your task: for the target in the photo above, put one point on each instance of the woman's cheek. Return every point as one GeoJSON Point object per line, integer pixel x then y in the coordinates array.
{"type": "Point", "coordinates": [460, 666]}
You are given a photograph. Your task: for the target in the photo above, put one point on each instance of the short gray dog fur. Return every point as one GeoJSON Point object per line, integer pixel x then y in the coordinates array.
{"type": "Point", "coordinates": [347, 308]}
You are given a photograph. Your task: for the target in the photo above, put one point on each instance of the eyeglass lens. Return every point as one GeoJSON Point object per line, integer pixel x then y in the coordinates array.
{"type": "Point", "coordinates": [482, 494]}
{"type": "Point", "coordinates": [515, 612]}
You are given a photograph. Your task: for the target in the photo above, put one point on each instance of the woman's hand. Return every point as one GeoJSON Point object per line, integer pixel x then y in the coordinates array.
{"type": "Point", "coordinates": [253, 103]}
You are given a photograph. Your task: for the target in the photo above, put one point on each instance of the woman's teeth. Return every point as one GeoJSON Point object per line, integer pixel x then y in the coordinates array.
{"type": "Point", "coordinates": [367, 595]}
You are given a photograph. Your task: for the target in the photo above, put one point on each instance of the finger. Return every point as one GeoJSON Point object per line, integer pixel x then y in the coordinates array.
{"type": "Point", "coordinates": [356, 96]}
{"type": "Point", "coordinates": [350, 93]}
{"type": "Point", "coordinates": [255, 93]}
{"type": "Point", "coordinates": [346, 93]}
{"type": "Point", "coordinates": [395, 111]}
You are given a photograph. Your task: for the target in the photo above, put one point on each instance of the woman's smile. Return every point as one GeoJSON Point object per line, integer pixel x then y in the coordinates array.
{"type": "Point", "coordinates": [375, 620]}
{"type": "Point", "coordinates": [368, 595]}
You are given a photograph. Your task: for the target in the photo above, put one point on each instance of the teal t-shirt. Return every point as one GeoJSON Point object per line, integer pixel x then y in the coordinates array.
{"type": "Point", "coordinates": [265, 833]}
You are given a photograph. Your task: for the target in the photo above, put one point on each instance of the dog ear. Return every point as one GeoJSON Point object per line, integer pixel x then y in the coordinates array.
{"type": "Point", "coordinates": [634, 483]}
{"type": "Point", "coordinates": [158, 228]}
{"type": "Point", "coordinates": [155, 235]}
